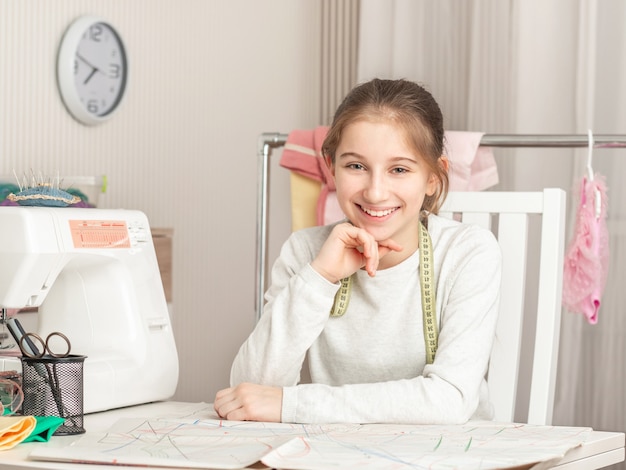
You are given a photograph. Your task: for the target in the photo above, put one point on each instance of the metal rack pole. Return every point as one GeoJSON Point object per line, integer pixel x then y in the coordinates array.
{"type": "Point", "coordinates": [266, 143]}
{"type": "Point", "coordinates": [552, 140]}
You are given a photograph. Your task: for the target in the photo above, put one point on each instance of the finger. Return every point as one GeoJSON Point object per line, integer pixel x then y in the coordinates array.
{"type": "Point", "coordinates": [231, 411]}
{"type": "Point", "coordinates": [222, 395]}
{"type": "Point", "coordinates": [224, 402]}
{"type": "Point", "coordinates": [373, 256]}
{"type": "Point", "coordinates": [371, 263]}
{"type": "Point", "coordinates": [382, 248]}
{"type": "Point", "coordinates": [368, 249]}
{"type": "Point", "coordinates": [390, 245]}
{"type": "Point", "coordinates": [387, 246]}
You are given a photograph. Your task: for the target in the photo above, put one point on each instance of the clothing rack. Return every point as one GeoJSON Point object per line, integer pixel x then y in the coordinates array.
{"type": "Point", "coordinates": [269, 141]}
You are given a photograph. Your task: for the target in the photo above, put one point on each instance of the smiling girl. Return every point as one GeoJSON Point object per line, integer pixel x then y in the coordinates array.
{"type": "Point", "coordinates": [355, 299]}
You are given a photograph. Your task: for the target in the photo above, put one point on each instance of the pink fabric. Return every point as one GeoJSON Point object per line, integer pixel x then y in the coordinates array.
{"type": "Point", "coordinates": [472, 168]}
{"type": "Point", "coordinates": [303, 154]}
{"type": "Point", "coordinates": [587, 255]}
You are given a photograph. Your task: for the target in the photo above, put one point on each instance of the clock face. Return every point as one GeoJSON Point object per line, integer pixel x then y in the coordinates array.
{"type": "Point", "coordinates": [100, 69]}
{"type": "Point", "coordinates": [92, 70]}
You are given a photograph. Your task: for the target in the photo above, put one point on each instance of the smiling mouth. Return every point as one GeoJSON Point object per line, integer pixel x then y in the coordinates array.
{"type": "Point", "coordinates": [374, 213]}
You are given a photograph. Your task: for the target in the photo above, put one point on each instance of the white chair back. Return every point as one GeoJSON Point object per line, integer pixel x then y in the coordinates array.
{"type": "Point", "coordinates": [507, 215]}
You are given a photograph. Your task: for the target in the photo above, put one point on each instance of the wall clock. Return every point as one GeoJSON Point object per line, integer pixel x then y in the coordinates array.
{"type": "Point", "coordinates": [92, 70]}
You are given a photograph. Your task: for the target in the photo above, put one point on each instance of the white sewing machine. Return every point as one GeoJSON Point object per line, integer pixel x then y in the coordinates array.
{"type": "Point", "coordinates": [93, 274]}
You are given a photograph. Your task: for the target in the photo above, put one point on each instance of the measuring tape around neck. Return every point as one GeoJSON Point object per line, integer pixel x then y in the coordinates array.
{"type": "Point", "coordinates": [342, 298]}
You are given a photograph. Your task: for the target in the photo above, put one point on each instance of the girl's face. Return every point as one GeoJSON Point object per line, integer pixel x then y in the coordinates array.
{"type": "Point", "coordinates": [381, 182]}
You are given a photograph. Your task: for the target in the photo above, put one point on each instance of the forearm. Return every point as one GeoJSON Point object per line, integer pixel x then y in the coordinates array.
{"type": "Point", "coordinates": [417, 401]}
{"type": "Point", "coordinates": [291, 322]}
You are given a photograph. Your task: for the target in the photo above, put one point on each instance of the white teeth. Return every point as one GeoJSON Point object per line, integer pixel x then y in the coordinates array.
{"type": "Point", "coordinates": [378, 213]}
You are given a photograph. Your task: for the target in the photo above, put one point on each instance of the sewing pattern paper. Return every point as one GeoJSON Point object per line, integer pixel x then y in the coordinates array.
{"type": "Point", "coordinates": [195, 442]}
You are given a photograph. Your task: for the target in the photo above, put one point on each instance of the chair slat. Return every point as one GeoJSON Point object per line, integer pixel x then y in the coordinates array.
{"type": "Point", "coordinates": [505, 355]}
{"type": "Point", "coordinates": [548, 327]}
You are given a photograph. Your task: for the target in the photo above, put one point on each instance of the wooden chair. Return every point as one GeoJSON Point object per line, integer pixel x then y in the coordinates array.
{"type": "Point", "coordinates": [507, 214]}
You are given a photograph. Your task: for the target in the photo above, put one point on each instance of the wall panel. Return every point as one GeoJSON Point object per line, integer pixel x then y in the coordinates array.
{"type": "Point", "coordinates": [206, 79]}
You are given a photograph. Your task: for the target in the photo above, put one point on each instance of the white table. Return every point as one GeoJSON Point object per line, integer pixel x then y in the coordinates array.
{"type": "Point", "coordinates": [600, 450]}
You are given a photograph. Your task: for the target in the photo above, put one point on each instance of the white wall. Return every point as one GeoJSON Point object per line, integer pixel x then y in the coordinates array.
{"type": "Point", "coordinates": [206, 79]}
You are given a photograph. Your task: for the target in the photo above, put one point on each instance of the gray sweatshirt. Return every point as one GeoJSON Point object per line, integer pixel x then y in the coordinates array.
{"type": "Point", "coordinates": [369, 366]}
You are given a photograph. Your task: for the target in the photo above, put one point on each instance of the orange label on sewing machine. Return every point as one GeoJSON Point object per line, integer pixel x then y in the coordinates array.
{"type": "Point", "coordinates": [99, 234]}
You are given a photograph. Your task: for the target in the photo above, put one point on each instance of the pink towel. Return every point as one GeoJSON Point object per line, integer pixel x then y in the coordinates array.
{"type": "Point", "coordinates": [587, 255]}
{"type": "Point", "coordinates": [472, 168]}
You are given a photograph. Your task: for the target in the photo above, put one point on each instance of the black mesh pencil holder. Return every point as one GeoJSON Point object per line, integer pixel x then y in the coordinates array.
{"type": "Point", "coordinates": [54, 387]}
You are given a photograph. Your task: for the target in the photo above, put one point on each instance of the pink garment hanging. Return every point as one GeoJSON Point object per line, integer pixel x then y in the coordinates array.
{"type": "Point", "coordinates": [472, 167]}
{"type": "Point", "coordinates": [303, 154]}
{"type": "Point", "coordinates": [587, 255]}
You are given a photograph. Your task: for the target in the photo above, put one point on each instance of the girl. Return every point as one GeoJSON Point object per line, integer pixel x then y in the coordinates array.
{"type": "Point", "coordinates": [357, 297]}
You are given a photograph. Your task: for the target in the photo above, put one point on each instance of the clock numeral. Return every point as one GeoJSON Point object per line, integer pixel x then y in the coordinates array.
{"type": "Point", "coordinates": [95, 32]}
{"type": "Point", "coordinates": [92, 106]}
{"type": "Point", "coordinates": [114, 70]}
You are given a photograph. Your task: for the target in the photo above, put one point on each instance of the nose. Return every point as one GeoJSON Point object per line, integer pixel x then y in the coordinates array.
{"type": "Point", "coordinates": [377, 189]}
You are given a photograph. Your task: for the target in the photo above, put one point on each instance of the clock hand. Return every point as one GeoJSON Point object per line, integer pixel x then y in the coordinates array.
{"type": "Point", "coordinates": [93, 72]}
{"type": "Point", "coordinates": [94, 69]}
{"type": "Point", "coordinates": [86, 62]}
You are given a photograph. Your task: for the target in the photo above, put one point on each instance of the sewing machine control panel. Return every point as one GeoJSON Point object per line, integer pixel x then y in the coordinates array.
{"type": "Point", "coordinates": [108, 233]}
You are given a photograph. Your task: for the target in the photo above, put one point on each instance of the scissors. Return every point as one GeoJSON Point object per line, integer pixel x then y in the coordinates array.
{"type": "Point", "coordinates": [29, 349]}
{"type": "Point", "coordinates": [28, 346]}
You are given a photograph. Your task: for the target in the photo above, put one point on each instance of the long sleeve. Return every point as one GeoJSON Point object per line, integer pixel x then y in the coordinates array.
{"type": "Point", "coordinates": [297, 308]}
{"type": "Point", "coordinates": [369, 365]}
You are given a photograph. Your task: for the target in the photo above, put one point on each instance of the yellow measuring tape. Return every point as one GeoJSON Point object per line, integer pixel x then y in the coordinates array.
{"type": "Point", "coordinates": [431, 333]}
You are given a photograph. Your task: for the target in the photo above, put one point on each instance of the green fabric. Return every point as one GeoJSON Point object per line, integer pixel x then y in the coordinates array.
{"type": "Point", "coordinates": [44, 429]}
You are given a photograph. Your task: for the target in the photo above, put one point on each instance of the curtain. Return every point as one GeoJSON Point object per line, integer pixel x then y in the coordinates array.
{"type": "Point", "coordinates": [338, 54]}
{"type": "Point", "coordinates": [530, 67]}
{"type": "Point", "coordinates": [596, 358]}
